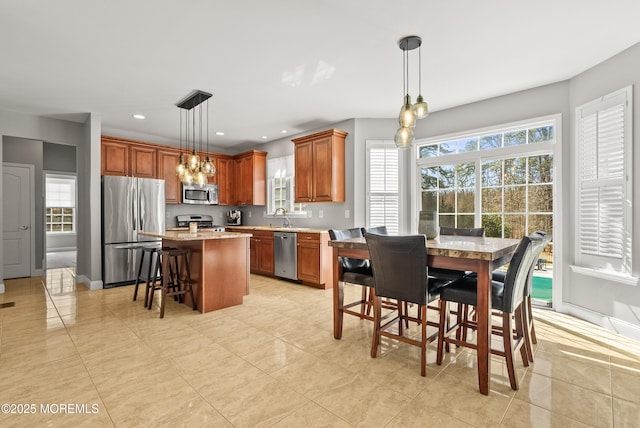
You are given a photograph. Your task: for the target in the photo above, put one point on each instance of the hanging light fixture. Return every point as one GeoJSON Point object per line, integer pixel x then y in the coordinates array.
{"type": "Point", "coordinates": [408, 112]}
{"type": "Point", "coordinates": [193, 170]}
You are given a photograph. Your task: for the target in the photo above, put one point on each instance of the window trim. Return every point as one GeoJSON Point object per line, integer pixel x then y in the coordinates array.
{"type": "Point", "coordinates": [604, 270]}
{"type": "Point", "coordinates": [384, 144]}
{"type": "Point", "coordinates": [65, 176]}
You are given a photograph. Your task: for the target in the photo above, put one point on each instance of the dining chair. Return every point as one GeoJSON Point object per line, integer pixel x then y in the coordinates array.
{"type": "Point", "coordinates": [527, 311]}
{"type": "Point", "coordinates": [399, 266]}
{"type": "Point", "coordinates": [506, 297]}
{"type": "Point", "coordinates": [355, 271]}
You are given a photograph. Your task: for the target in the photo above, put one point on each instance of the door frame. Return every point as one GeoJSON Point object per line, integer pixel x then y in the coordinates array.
{"type": "Point", "coordinates": [32, 189]}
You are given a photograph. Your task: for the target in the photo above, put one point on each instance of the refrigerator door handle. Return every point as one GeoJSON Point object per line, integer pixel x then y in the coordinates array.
{"type": "Point", "coordinates": [134, 198]}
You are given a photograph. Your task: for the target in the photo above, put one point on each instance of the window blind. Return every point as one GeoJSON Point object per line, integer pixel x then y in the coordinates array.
{"type": "Point", "coordinates": [384, 188]}
{"type": "Point", "coordinates": [604, 221]}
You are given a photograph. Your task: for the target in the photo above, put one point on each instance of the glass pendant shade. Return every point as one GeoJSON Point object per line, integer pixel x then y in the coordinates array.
{"type": "Point", "coordinates": [420, 108]}
{"type": "Point", "coordinates": [200, 178]}
{"type": "Point", "coordinates": [407, 117]}
{"type": "Point", "coordinates": [180, 166]}
{"type": "Point", "coordinates": [404, 137]}
{"type": "Point", "coordinates": [194, 161]}
{"type": "Point", "coordinates": [187, 177]}
{"type": "Point", "coordinates": [208, 167]}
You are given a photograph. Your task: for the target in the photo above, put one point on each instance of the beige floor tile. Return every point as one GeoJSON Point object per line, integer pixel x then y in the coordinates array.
{"type": "Point", "coordinates": [525, 415]}
{"type": "Point", "coordinates": [566, 399]}
{"type": "Point", "coordinates": [626, 414]}
{"type": "Point", "coordinates": [416, 414]}
{"type": "Point", "coordinates": [625, 382]}
{"type": "Point", "coordinates": [590, 374]}
{"type": "Point", "coordinates": [312, 415]}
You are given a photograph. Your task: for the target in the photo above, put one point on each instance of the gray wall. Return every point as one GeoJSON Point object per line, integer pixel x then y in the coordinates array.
{"type": "Point", "coordinates": [86, 138]}
{"type": "Point", "coordinates": [621, 302]}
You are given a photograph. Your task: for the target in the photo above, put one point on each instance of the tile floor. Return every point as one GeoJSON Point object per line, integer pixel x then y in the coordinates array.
{"type": "Point", "coordinates": [273, 362]}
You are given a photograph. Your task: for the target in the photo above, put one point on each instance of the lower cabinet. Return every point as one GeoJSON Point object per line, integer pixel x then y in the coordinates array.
{"type": "Point", "coordinates": [314, 259]}
{"type": "Point", "coordinates": [261, 252]}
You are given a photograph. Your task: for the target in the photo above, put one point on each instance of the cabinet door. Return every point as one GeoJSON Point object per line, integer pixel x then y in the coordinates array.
{"type": "Point", "coordinates": [309, 261]}
{"type": "Point", "coordinates": [266, 258]}
{"type": "Point", "coordinates": [114, 158]}
{"type": "Point", "coordinates": [254, 253]}
{"type": "Point", "coordinates": [167, 161]}
{"type": "Point", "coordinates": [303, 153]}
{"type": "Point", "coordinates": [225, 179]}
{"type": "Point", "coordinates": [246, 191]}
{"type": "Point", "coordinates": [142, 161]}
{"type": "Point", "coordinates": [322, 170]}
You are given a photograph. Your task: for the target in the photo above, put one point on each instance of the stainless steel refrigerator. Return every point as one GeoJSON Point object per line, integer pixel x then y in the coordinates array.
{"type": "Point", "coordinates": [129, 205]}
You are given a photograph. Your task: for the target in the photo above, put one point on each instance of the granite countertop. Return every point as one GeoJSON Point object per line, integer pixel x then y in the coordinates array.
{"type": "Point", "coordinates": [281, 229]}
{"type": "Point", "coordinates": [183, 235]}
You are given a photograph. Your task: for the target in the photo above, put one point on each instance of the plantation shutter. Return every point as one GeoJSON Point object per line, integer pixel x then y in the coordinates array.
{"type": "Point", "coordinates": [604, 212]}
{"type": "Point", "coordinates": [384, 189]}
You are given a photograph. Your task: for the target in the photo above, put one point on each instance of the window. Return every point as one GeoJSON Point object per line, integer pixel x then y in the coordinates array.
{"type": "Point", "coordinates": [280, 186]}
{"type": "Point", "coordinates": [383, 186]}
{"type": "Point", "coordinates": [61, 204]}
{"type": "Point", "coordinates": [604, 206]}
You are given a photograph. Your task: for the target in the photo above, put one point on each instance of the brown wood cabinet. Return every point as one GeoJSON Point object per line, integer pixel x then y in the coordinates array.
{"type": "Point", "coordinates": [319, 167]}
{"type": "Point", "coordinates": [142, 161]}
{"type": "Point", "coordinates": [261, 252]}
{"type": "Point", "coordinates": [225, 179]}
{"type": "Point", "coordinates": [114, 157]}
{"type": "Point", "coordinates": [314, 259]}
{"type": "Point", "coordinates": [167, 161]}
{"type": "Point", "coordinates": [250, 178]}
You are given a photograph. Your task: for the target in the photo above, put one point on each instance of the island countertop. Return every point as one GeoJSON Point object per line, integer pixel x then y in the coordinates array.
{"type": "Point", "coordinates": [201, 235]}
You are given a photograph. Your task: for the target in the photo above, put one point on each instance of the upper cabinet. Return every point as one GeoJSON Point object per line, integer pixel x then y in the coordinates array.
{"type": "Point", "coordinates": [250, 178]}
{"type": "Point", "coordinates": [125, 158]}
{"type": "Point", "coordinates": [224, 178]}
{"type": "Point", "coordinates": [142, 161]}
{"type": "Point", "coordinates": [319, 167]}
{"type": "Point", "coordinates": [167, 161]}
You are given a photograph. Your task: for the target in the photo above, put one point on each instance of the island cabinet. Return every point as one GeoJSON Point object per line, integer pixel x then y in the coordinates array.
{"type": "Point", "coordinates": [250, 178]}
{"type": "Point", "coordinates": [319, 167]}
{"type": "Point", "coordinates": [167, 159]}
{"type": "Point", "coordinates": [314, 259]}
{"type": "Point", "coordinates": [261, 252]}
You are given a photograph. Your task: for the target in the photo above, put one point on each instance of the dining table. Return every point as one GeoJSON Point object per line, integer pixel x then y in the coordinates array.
{"type": "Point", "coordinates": [465, 253]}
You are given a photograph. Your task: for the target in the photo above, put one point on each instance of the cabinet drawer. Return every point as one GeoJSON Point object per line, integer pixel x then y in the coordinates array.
{"type": "Point", "coordinates": [262, 234]}
{"type": "Point", "coordinates": [305, 236]}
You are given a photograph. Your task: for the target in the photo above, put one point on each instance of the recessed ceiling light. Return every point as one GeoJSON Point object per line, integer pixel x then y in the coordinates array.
{"type": "Point", "coordinates": [219, 133]}
{"type": "Point", "coordinates": [138, 116]}
{"type": "Point", "coordinates": [264, 137]}
{"type": "Point", "coordinates": [284, 131]}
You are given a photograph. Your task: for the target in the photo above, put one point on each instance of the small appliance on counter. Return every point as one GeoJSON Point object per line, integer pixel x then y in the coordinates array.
{"type": "Point", "coordinates": [234, 218]}
{"type": "Point", "coordinates": [203, 221]}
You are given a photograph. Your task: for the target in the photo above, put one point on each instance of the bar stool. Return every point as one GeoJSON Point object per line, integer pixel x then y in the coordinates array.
{"type": "Point", "coordinates": [175, 282]}
{"type": "Point", "coordinates": [149, 279]}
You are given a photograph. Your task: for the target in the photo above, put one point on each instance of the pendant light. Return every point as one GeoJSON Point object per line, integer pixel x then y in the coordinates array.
{"type": "Point", "coordinates": [193, 170]}
{"type": "Point", "coordinates": [408, 112]}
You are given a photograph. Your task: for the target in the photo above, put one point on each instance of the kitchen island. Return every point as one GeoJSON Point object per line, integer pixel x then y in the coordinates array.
{"type": "Point", "coordinates": [219, 264]}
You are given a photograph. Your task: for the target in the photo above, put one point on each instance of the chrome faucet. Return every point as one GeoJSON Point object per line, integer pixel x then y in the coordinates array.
{"type": "Point", "coordinates": [283, 211]}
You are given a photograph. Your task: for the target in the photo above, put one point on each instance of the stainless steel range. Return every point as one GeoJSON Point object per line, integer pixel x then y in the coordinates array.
{"type": "Point", "coordinates": [203, 221]}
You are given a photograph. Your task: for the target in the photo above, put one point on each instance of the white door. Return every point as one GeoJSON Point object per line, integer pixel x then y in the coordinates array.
{"type": "Point", "coordinates": [16, 209]}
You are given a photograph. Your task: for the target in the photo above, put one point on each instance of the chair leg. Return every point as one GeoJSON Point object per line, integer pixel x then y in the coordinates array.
{"type": "Point", "coordinates": [364, 305]}
{"type": "Point", "coordinates": [507, 336]}
{"type": "Point", "coordinates": [423, 356]}
{"type": "Point", "coordinates": [443, 325]}
{"type": "Point", "coordinates": [521, 334]}
{"type": "Point", "coordinates": [377, 313]}
{"type": "Point", "coordinates": [530, 321]}
{"type": "Point", "coordinates": [135, 290]}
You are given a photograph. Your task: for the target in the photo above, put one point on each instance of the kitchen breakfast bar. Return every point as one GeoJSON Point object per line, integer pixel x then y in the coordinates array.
{"type": "Point", "coordinates": [219, 265]}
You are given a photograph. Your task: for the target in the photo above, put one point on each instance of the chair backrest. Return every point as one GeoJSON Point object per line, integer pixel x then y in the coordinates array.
{"type": "Point", "coordinates": [540, 245]}
{"type": "Point", "coordinates": [459, 231]}
{"type": "Point", "coordinates": [520, 266]}
{"type": "Point", "coordinates": [380, 230]}
{"type": "Point", "coordinates": [349, 264]}
{"type": "Point", "coordinates": [399, 266]}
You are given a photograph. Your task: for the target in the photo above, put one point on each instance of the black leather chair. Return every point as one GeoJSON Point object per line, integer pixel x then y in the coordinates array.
{"type": "Point", "coordinates": [527, 311]}
{"type": "Point", "coordinates": [355, 271]}
{"type": "Point", "coordinates": [507, 297]}
{"type": "Point", "coordinates": [380, 230]}
{"type": "Point", "coordinates": [399, 266]}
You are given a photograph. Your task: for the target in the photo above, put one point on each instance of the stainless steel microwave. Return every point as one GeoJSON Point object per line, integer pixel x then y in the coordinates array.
{"type": "Point", "coordinates": [202, 195]}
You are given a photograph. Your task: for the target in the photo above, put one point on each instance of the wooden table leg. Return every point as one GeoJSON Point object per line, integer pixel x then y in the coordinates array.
{"type": "Point", "coordinates": [338, 295]}
{"type": "Point", "coordinates": [484, 327]}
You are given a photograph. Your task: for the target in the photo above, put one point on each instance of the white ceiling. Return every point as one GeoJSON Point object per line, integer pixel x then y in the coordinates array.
{"type": "Point", "coordinates": [288, 64]}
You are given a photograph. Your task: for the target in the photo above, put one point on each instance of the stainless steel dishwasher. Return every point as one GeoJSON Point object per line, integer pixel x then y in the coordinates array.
{"type": "Point", "coordinates": [285, 253]}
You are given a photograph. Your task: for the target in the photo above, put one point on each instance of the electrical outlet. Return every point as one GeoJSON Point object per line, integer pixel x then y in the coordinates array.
{"type": "Point", "coordinates": [264, 213]}
{"type": "Point", "coordinates": [320, 214]}
{"type": "Point", "coordinates": [309, 214]}
{"type": "Point", "coordinates": [347, 213]}
{"type": "Point", "coordinates": [249, 214]}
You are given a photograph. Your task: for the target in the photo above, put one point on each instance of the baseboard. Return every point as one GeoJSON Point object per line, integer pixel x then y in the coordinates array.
{"type": "Point", "coordinates": [38, 272]}
{"type": "Point", "coordinates": [615, 325]}
{"type": "Point", "coordinates": [61, 249]}
{"type": "Point", "coordinates": [1, 287]}
{"type": "Point", "coordinates": [91, 285]}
